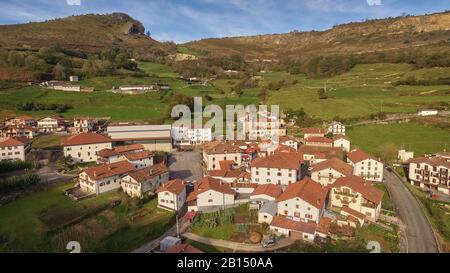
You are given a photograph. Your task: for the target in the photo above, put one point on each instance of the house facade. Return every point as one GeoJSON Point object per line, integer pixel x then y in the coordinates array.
{"type": "Point", "coordinates": [51, 124]}
{"type": "Point", "coordinates": [313, 132]}
{"type": "Point", "coordinates": [328, 171]}
{"type": "Point", "coordinates": [139, 160]}
{"type": "Point", "coordinates": [14, 149]}
{"type": "Point", "coordinates": [357, 194]}
{"type": "Point", "coordinates": [21, 120]}
{"type": "Point", "coordinates": [139, 183]}
{"type": "Point", "coordinates": [84, 147]}
{"type": "Point", "coordinates": [336, 128]}
{"type": "Point", "coordinates": [211, 194]}
{"type": "Point", "coordinates": [114, 155]}
{"type": "Point", "coordinates": [104, 178]}
{"type": "Point", "coordinates": [365, 165]}
{"type": "Point", "coordinates": [172, 195]}
{"type": "Point", "coordinates": [319, 142]}
{"type": "Point", "coordinates": [18, 131]}
{"type": "Point", "coordinates": [183, 135]}
{"type": "Point", "coordinates": [342, 141]}
{"type": "Point", "coordinates": [215, 152]}
{"type": "Point", "coordinates": [303, 201]}
{"type": "Point", "coordinates": [431, 173]}
{"type": "Point", "coordinates": [280, 169]}
{"type": "Point", "coordinates": [83, 125]}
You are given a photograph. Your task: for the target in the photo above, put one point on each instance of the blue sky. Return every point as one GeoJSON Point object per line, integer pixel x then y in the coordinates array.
{"type": "Point", "coordinates": [186, 20]}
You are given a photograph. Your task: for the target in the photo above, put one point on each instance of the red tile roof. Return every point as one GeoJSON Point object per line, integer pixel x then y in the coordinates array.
{"type": "Point", "coordinates": [358, 155]}
{"type": "Point", "coordinates": [324, 225]}
{"type": "Point", "coordinates": [218, 147]}
{"type": "Point", "coordinates": [269, 189]}
{"type": "Point", "coordinates": [283, 222]}
{"type": "Point", "coordinates": [353, 212]}
{"type": "Point", "coordinates": [119, 150]}
{"type": "Point", "coordinates": [313, 131]}
{"type": "Point", "coordinates": [318, 140]}
{"type": "Point", "coordinates": [307, 190]}
{"type": "Point", "coordinates": [85, 138]}
{"type": "Point", "coordinates": [282, 160]}
{"type": "Point", "coordinates": [183, 248]}
{"type": "Point", "coordinates": [358, 184]}
{"type": "Point", "coordinates": [148, 173]}
{"type": "Point", "coordinates": [433, 161]}
{"type": "Point", "coordinates": [16, 141]}
{"type": "Point", "coordinates": [335, 164]}
{"type": "Point", "coordinates": [208, 183]}
{"type": "Point", "coordinates": [328, 152]}
{"type": "Point", "coordinates": [133, 156]}
{"type": "Point", "coordinates": [109, 170]}
{"type": "Point", "coordinates": [175, 186]}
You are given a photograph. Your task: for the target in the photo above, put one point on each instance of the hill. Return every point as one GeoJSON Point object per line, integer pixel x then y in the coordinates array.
{"type": "Point", "coordinates": [88, 33]}
{"type": "Point", "coordinates": [427, 32]}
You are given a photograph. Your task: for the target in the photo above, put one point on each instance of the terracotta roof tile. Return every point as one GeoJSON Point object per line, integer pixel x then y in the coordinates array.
{"type": "Point", "coordinates": [15, 141]}
{"type": "Point", "coordinates": [85, 138]}
{"type": "Point", "coordinates": [148, 173]}
{"type": "Point", "coordinates": [133, 156]}
{"type": "Point", "coordinates": [318, 140]}
{"type": "Point", "coordinates": [358, 184]}
{"type": "Point", "coordinates": [208, 183]}
{"type": "Point", "coordinates": [175, 186]}
{"type": "Point", "coordinates": [433, 161]}
{"type": "Point", "coordinates": [313, 131]}
{"type": "Point", "coordinates": [282, 222]}
{"type": "Point", "coordinates": [353, 212]}
{"type": "Point", "coordinates": [109, 170]}
{"type": "Point", "coordinates": [307, 190]}
{"type": "Point", "coordinates": [269, 189]}
{"type": "Point", "coordinates": [358, 155]}
{"type": "Point", "coordinates": [282, 160]}
{"type": "Point", "coordinates": [119, 150]}
{"type": "Point", "coordinates": [335, 164]}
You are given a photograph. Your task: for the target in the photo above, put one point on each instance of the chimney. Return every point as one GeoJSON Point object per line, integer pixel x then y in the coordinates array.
{"type": "Point", "coordinates": [95, 173]}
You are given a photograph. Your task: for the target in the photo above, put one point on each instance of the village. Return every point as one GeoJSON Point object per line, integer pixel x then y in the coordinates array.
{"type": "Point", "coordinates": [276, 189]}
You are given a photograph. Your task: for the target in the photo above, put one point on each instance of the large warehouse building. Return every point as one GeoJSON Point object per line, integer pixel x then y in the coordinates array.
{"type": "Point", "coordinates": [153, 137]}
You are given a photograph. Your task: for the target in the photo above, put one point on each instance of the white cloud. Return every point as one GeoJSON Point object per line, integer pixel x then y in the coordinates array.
{"type": "Point", "coordinates": [73, 2]}
{"type": "Point", "coordinates": [374, 2]}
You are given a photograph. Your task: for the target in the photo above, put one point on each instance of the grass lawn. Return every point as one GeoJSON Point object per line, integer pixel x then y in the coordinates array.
{"type": "Point", "coordinates": [208, 248]}
{"type": "Point", "coordinates": [47, 142]}
{"type": "Point", "coordinates": [422, 139]}
{"type": "Point", "coordinates": [160, 70]}
{"type": "Point", "coordinates": [438, 213]}
{"type": "Point", "coordinates": [45, 222]}
{"type": "Point", "coordinates": [388, 239]}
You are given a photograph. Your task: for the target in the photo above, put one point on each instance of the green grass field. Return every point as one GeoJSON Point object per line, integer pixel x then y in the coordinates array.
{"type": "Point", "coordinates": [39, 223]}
{"type": "Point", "coordinates": [419, 138]}
{"type": "Point", "coordinates": [47, 142]}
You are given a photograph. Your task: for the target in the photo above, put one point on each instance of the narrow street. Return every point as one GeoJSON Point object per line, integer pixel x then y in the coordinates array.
{"type": "Point", "coordinates": [419, 233]}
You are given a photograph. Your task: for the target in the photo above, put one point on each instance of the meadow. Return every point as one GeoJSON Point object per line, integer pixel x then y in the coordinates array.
{"type": "Point", "coordinates": [45, 221]}
{"type": "Point", "coordinates": [365, 90]}
{"type": "Point", "coordinates": [413, 136]}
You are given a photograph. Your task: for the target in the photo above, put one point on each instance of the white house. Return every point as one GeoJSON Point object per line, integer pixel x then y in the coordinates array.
{"type": "Point", "coordinates": [172, 195]}
{"type": "Point", "coordinates": [217, 151]}
{"type": "Point", "coordinates": [365, 165]}
{"type": "Point", "coordinates": [357, 194]}
{"type": "Point", "coordinates": [428, 112]}
{"type": "Point", "coordinates": [432, 173]}
{"type": "Point", "coordinates": [21, 120]}
{"type": "Point", "coordinates": [51, 124]}
{"type": "Point", "coordinates": [342, 141]}
{"type": "Point", "coordinates": [83, 125]}
{"type": "Point", "coordinates": [294, 229]}
{"type": "Point", "coordinates": [404, 156]}
{"type": "Point", "coordinates": [211, 194]}
{"type": "Point", "coordinates": [303, 201]}
{"type": "Point", "coordinates": [147, 180]}
{"type": "Point", "coordinates": [192, 135]}
{"type": "Point", "coordinates": [281, 169]}
{"type": "Point", "coordinates": [115, 154]}
{"type": "Point", "coordinates": [319, 141]}
{"type": "Point", "coordinates": [315, 154]}
{"type": "Point", "coordinates": [262, 125]}
{"type": "Point", "coordinates": [267, 212]}
{"type": "Point", "coordinates": [289, 142]}
{"type": "Point", "coordinates": [104, 178]}
{"type": "Point", "coordinates": [326, 172]}
{"type": "Point", "coordinates": [139, 160]}
{"type": "Point", "coordinates": [14, 149]}
{"type": "Point", "coordinates": [85, 147]}
{"type": "Point", "coordinates": [336, 128]}
{"type": "Point", "coordinates": [18, 131]}
{"type": "Point", "coordinates": [266, 193]}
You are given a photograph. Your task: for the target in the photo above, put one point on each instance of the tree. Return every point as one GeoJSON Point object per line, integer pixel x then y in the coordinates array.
{"type": "Point", "coordinates": [148, 33]}
{"type": "Point", "coordinates": [322, 94]}
{"type": "Point", "coordinates": [59, 72]}
{"type": "Point", "coordinates": [387, 152]}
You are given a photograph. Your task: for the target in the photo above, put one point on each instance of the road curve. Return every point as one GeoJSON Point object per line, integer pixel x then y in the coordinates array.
{"type": "Point", "coordinates": [419, 233]}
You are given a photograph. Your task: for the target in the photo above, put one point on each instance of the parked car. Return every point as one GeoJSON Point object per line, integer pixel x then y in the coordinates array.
{"type": "Point", "coordinates": [269, 243]}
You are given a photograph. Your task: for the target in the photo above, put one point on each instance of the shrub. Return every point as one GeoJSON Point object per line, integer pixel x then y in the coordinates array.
{"type": "Point", "coordinates": [9, 166]}
{"type": "Point", "coordinates": [18, 182]}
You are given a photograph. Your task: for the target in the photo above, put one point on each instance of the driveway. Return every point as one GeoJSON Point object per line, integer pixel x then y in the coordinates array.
{"type": "Point", "coordinates": [185, 165]}
{"type": "Point", "coordinates": [237, 246]}
{"type": "Point", "coordinates": [419, 234]}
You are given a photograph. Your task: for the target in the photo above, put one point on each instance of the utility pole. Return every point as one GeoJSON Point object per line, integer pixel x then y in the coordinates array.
{"type": "Point", "coordinates": [381, 106]}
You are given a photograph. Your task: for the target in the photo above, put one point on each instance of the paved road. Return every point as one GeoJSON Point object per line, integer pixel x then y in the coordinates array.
{"type": "Point", "coordinates": [237, 246]}
{"type": "Point", "coordinates": [185, 165]}
{"type": "Point", "coordinates": [419, 234]}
